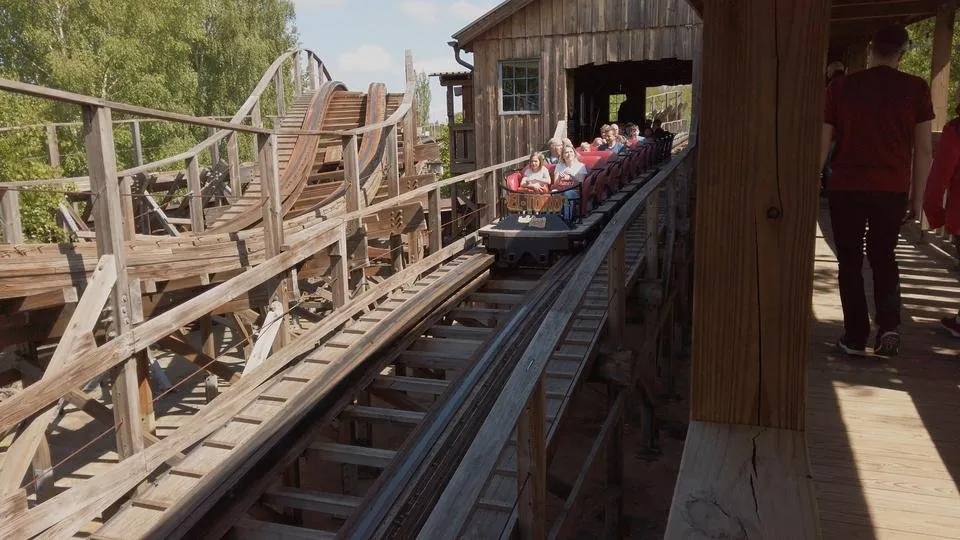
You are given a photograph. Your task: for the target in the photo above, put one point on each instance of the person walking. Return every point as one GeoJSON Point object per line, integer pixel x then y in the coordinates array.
{"type": "Point", "coordinates": [944, 179]}
{"type": "Point", "coordinates": [879, 119]}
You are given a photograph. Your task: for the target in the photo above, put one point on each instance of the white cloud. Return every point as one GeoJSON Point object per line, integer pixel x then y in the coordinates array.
{"type": "Point", "coordinates": [366, 58]}
{"type": "Point", "coordinates": [468, 11]}
{"type": "Point", "coordinates": [424, 11]}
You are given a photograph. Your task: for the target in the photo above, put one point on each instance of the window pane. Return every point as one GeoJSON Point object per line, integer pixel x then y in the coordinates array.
{"type": "Point", "coordinates": [520, 86]}
{"type": "Point", "coordinates": [533, 103]}
{"type": "Point", "coordinates": [507, 104]}
{"type": "Point", "coordinates": [533, 86]}
{"type": "Point", "coordinates": [507, 71]}
{"type": "Point", "coordinates": [533, 70]}
{"type": "Point", "coordinates": [508, 89]}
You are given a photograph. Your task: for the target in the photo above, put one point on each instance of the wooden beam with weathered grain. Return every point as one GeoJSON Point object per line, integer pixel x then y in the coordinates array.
{"type": "Point", "coordinates": [756, 210]}
{"type": "Point", "coordinates": [82, 502]}
{"type": "Point", "coordinates": [101, 159]}
{"type": "Point", "coordinates": [739, 481]}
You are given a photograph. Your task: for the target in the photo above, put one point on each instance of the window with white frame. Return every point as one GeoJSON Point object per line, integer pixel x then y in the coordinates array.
{"type": "Point", "coordinates": [520, 86]}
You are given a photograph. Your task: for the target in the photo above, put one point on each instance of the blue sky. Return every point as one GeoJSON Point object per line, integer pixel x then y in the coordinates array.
{"type": "Point", "coordinates": [364, 42]}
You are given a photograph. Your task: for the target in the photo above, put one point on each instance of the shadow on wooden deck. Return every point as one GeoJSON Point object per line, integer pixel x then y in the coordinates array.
{"type": "Point", "coordinates": [884, 436]}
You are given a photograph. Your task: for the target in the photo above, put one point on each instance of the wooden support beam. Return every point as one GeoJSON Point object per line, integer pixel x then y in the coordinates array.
{"type": "Point", "coordinates": [393, 190]}
{"type": "Point", "coordinates": [272, 217]}
{"type": "Point", "coordinates": [126, 206]}
{"type": "Point", "coordinates": [102, 164]}
{"type": "Point", "coordinates": [314, 70]}
{"type": "Point", "coordinates": [233, 162]}
{"type": "Point", "coordinates": [256, 120]}
{"type": "Point", "coordinates": [756, 210]}
{"type": "Point", "coordinates": [193, 191]}
{"type": "Point", "coordinates": [434, 221]}
{"type": "Point", "coordinates": [10, 214]}
{"type": "Point", "coordinates": [296, 75]}
{"type": "Point", "coordinates": [532, 466]}
{"type": "Point", "coordinates": [739, 481]}
{"type": "Point", "coordinates": [354, 196]}
{"type": "Point", "coordinates": [409, 122]}
{"type": "Point", "coordinates": [281, 97]}
{"type": "Point", "coordinates": [340, 270]}
{"type": "Point", "coordinates": [940, 63]}
{"type": "Point", "coordinates": [137, 143]}
{"type": "Point", "coordinates": [53, 146]}
{"type": "Point", "coordinates": [214, 148]}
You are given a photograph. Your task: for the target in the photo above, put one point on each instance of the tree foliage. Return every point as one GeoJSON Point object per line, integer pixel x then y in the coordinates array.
{"type": "Point", "coordinates": [201, 57]}
{"type": "Point", "coordinates": [917, 60]}
{"type": "Point", "coordinates": [423, 98]}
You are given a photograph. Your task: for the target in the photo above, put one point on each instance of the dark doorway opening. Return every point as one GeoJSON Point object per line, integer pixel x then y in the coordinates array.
{"type": "Point", "coordinates": [593, 86]}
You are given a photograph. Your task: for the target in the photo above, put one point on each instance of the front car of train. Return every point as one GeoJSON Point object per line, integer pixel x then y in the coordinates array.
{"type": "Point", "coordinates": [536, 227]}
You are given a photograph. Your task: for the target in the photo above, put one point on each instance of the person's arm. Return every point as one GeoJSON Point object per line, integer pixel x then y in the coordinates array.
{"type": "Point", "coordinates": [941, 173]}
{"type": "Point", "coordinates": [922, 156]}
{"type": "Point", "coordinates": [826, 137]}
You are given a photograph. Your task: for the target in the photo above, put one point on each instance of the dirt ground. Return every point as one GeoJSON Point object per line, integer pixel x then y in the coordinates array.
{"type": "Point", "coordinates": [650, 471]}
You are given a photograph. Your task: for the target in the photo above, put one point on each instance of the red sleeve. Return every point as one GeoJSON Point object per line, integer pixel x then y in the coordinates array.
{"type": "Point", "coordinates": [941, 173]}
{"type": "Point", "coordinates": [830, 114]}
{"type": "Point", "coordinates": [924, 110]}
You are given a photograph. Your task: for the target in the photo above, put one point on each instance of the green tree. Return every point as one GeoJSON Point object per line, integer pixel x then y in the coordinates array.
{"type": "Point", "coordinates": [423, 98]}
{"type": "Point", "coordinates": [201, 57]}
{"type": "Point", "coordinates": [917, 60]}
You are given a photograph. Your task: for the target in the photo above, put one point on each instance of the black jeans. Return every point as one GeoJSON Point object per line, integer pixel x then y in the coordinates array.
{"type": "Point", "coordinates": [851, 212]}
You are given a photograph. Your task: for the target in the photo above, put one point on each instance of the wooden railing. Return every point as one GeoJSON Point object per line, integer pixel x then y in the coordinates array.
{"type": "Point", "coordinates": [139, 452]}
{"type": "Point", "coordinates": [219, 131]}
{"type": "Point", "coordinates": [520, 406]}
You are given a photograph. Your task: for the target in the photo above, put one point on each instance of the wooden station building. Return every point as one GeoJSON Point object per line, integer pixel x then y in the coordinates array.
{"type": "Point", "coordinates": [537, 62]}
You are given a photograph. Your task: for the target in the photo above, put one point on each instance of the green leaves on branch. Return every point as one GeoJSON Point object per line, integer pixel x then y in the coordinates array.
{"type": "Point", "coordinates": [201, 57]}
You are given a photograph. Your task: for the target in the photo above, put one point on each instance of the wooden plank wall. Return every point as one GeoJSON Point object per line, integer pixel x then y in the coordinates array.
{"type": "Point", "coordinates": [567, 34]}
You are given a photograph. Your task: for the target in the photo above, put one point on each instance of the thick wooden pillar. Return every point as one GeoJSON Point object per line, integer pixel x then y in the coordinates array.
{"type": "Point", "coordinates": [745, 471]}
{"type": "Point", "coordinates": [98, 138]}
{"type": "Point", "coordinates": [940, 63]}
{"type": "Point", "coordinates": [756, 209]}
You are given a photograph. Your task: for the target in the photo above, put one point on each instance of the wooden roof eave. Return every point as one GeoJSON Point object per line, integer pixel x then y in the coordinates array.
{"type": "Point", "coordinates": [859, 19]}
{"type": "Point", "coordinates": [466, 35]}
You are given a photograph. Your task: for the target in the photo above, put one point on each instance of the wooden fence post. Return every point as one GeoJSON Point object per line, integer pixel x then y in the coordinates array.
{"type": "Point", "coordinates": [214, 148]}
{"type": "Point", "coordinates": [314, 72]}
{"type": "Point", "coordinates": [433, 220]}
{"type": "Point", "coordinates": [272, 219]}
{"type": "Point", "coordinates": [193, 191]}
{"type": "Point", "coordinates": [297, 78]}
{"type": "Point", "coordinates": [256, 120]}
{"type": "Point", "coordinates": [10, 214]}
{"type": "Point", "coordinates": [340, 270]}
{"type": "Point", "coordinates": [53, 146]}
{"type": "Point", "coordinates": [233, 161]}
{"type": "Point", "coordinates": [393, 190]}
{"type": "Point", "coordinates": [136, 143]}
{"type": "Point", "coordinates": [354, 200]}
{"type": "Point", "coordinates": [108, 217]}
{"type": "Point", "coordinates": [281, 99]}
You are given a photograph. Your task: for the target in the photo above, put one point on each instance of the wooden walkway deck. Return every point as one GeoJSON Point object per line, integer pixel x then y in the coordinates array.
{"type": "Point", "coordinates": [884, 436]}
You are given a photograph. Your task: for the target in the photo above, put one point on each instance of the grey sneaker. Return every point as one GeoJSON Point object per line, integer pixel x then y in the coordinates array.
{"type": "Point", "coordinates": [888, 344]}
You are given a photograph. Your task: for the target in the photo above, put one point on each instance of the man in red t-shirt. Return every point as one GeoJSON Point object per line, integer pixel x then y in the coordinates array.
{"type": "Point", "coordinates": [880, 120]}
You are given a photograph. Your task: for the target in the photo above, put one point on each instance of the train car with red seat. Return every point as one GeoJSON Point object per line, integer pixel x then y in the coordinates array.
{"type": "Point", "coordinates": [536, 228]}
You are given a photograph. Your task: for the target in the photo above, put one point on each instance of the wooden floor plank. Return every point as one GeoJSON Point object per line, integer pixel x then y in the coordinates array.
{"type": "Point", "coordinates": [884, 435]}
